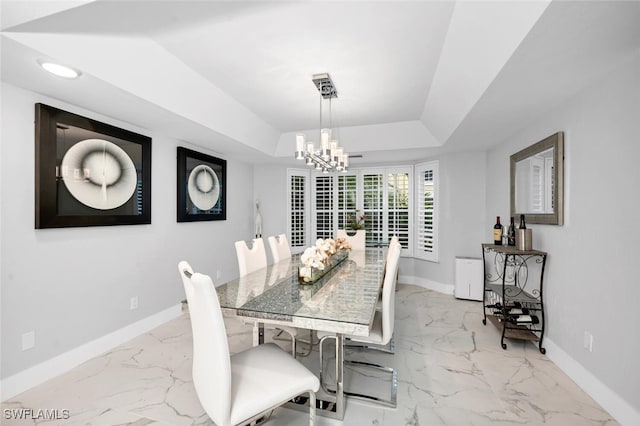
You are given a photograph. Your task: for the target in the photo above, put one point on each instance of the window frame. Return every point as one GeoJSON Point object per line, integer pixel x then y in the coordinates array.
{"type": "Point", "coordinates": [359, 174]}
{"type": "Point", "coordinates": [291, 173]}
{"type": "Point", "coordinates": [414, 173]}
{"type": "Point", "coordinates": [420, 169]}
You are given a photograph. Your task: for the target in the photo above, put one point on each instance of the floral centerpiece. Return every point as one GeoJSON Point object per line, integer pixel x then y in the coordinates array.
{"type": "Point", "coordinates": [321, 257]}
{"type": "Point", "coordinates": [355, 221]}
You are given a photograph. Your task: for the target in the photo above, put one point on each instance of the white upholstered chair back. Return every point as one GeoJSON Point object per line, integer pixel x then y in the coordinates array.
{"type": "Point", "coordinates": [357, 241]}
{"type": "Point", "coordinates": [251, 259]}
{"type": "Point", "coordinates": [211, 362]}
{"type": "Point", "coordinates": [394, 240]}
{"type": "Point", "coordinates": [388, 293]}
{"type": "Point", "coordinates": [279, 247]}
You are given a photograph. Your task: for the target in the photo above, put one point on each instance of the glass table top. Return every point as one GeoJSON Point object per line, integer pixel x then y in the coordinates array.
{"type": "Point", "coordinates": [343, 300]}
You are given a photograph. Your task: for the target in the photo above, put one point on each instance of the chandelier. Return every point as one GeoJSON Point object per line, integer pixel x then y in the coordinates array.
{"type": "Point", "coordinates": [329, 156]}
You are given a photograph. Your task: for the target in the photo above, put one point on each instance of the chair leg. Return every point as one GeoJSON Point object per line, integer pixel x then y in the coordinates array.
{"type": "Point", "coordinates": [310, 341]}
{"type": "Point", "coordinates": [309, 344]}
{"type": "Point", "coordinates": [294, 342]}
{"type": "Point", "coordinates": [392, 402]}
{"type": "Point", "coordinates": [312, 408]}
{"type": "Point", "coordinates": [390, 348]}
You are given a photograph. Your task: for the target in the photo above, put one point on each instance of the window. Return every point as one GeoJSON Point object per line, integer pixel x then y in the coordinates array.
{"type": "Point", "coordinates": [347, 198]}
{"type": "Point", "coordinates": [373, 205]}
{"type": "Point", "coordinates": [298, 208]}
{"type": "Point", "coordinates": [399, 216]}
{"type": "Point", "coordinates": [427, 211]}
{"type": "Point", "coordinates": [323, 203]}
{"type": "Point", "coordinates": [382, 194]}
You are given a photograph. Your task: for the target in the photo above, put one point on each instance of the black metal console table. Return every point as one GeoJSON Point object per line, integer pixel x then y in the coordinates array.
{"type": "Point", "coordinates": [512, 301]}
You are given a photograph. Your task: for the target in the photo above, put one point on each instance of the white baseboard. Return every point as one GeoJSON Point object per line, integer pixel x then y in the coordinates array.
{"type": "Point", "coordinates": [428, 284]}
{"type": "Point", "coordinates": [619, 409]}
{"type": "Point", "coordinates": [33, 376]}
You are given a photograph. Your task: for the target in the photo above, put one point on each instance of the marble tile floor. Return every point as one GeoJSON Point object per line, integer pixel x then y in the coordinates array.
{"type": "Point", "coordinates": [451, 371]}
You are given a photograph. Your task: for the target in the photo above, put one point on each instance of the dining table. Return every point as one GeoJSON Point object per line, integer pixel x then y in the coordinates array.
{"type": "Point", "coordinates": [343, 301]}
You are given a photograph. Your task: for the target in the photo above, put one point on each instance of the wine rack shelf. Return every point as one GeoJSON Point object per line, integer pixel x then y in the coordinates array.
{"type": "Point", "coordinates": [513, 283]}
{"type": "Point", "coordinates": [519, 332]}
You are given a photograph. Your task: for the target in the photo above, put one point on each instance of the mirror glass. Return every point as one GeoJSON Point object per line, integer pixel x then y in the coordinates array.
{"type": "Point", "coordinates": [537, 181]}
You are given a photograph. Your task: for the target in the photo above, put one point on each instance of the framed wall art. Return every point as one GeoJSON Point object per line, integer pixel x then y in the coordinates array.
{"type": "Point", "coordinates": [202, 186]}
{"type": "Point", "coordinates": [89, 173]}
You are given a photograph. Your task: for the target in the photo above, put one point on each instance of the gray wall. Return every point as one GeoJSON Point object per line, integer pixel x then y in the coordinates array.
{"type": "Point", "coordinates": [591, 283]}
{"type": "Point", "coordinates": [462, 215]}
{"type": "Point", "coordinates": [73, 285]}
{"type": "Point", "coordinates": [270, 188]}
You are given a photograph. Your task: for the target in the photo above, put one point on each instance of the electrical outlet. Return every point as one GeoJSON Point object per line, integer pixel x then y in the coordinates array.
{"type": "Point", "coordinates": [133, 303]}
{"type": "Point", "coordinates": [28, 340]}
{"type": "Point", "coordinates": [218, 274]}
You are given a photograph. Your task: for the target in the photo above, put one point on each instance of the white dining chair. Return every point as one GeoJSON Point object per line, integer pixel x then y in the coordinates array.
{"type": "Point", "coordinates": [357, 241]}
{"type": "Point", "coordinates": [279, 247]}
{"type": "Point", "coordinates": [250, 260]}
{"type": "Point", "coordinates": [380, 334]}
{"type": "Point", "coordinates": [390, 347]}
{"type": "Point", "coordinates": [241, 388]}
{"type": "Point", "coordinates": [393, 241]}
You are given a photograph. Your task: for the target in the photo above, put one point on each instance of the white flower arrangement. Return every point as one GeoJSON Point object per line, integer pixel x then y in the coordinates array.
{"type": "Point", "coordinates": [317, 256]}
{"type": "Point", "coordinates": [313, 258]}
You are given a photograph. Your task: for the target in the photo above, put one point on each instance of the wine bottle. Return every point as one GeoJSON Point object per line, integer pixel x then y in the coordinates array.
{"type": "Point", "coordinates": [511, 233]}
{"type": "Point", "coordinates": [497, 232]}
{"type": "Point", "coordinates": [523, 319]}
{"type": "Point", "coordinates": [522, 224]}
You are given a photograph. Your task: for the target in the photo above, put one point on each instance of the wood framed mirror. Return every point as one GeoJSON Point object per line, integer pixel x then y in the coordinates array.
{"type": "Point", "coordinates": [537, 181]}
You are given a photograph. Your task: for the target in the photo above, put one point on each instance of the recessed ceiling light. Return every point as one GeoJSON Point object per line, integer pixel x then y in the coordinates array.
{"type": "Point", "coordinates": [59, 70]}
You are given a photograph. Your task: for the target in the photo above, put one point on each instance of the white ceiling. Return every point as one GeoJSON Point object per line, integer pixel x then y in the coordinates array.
{"type": "Point", "coordinates": [421, 77]}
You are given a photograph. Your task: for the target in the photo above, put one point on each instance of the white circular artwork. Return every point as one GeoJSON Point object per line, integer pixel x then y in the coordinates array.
{"type": "Point", "coordinates": [99, 174]}
{"type": "Point", "coordinates": [203, 187]}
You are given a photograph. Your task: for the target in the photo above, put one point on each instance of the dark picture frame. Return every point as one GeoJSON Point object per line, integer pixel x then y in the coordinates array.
{"type": "Point", "coordinates": [89, 173]}
{"type": "Point", "coordinates": [202, 186]}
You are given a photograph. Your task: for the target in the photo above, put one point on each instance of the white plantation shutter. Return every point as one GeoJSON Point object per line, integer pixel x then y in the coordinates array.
{"type": "Point", "coordinates": [426, 242]}
{"type": "Point", "coordinates": [347, 198]}
{"type": "Point", "coordinates": [399, 213]}
{"type": "Point", "coordinates": [320, 204]}
{"type": "Point", "coordinates": [373, 204]}
{"type": "Point", "coordinates": [298, 209]}
{"type": "Point", "coordinates": [323, 206]}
